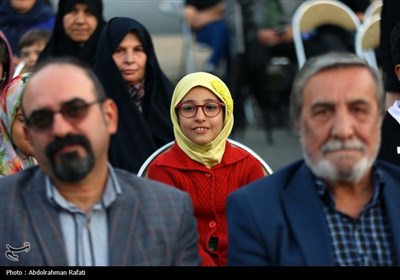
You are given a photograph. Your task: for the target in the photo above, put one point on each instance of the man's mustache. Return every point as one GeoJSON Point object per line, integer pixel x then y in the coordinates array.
{"type": "Point", "coordinates": [335, 145]}
{"type": "Point", "coordinates": [71, 139]}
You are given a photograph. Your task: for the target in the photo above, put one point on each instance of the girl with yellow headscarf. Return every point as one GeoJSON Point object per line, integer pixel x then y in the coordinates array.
{"type": "Point", "coordinates": [202, 162]}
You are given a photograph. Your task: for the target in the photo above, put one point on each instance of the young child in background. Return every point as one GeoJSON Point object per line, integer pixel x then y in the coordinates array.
{"type": "Point", "coordinates": [30, 46]}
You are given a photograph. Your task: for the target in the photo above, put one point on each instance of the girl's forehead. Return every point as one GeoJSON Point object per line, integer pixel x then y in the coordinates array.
{"type": "Point", "coordinates": [199, 92]}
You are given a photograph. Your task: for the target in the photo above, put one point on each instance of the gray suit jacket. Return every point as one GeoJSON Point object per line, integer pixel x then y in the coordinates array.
{"type": "Point", "coordinates": [150, 224]}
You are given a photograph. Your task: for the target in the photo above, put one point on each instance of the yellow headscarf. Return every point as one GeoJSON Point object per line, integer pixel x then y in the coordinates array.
{"type": "Point", "coordinates": [211, 153]}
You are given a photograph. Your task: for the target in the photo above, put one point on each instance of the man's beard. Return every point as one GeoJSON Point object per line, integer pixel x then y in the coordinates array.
{"type": "Point", "coordinates": [326, 170]}
{"type": "Point", "coordinates": [70, 167]}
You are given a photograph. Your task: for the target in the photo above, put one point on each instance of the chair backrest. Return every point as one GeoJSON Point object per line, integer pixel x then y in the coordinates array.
{"type": "Point", "coordinates": [143, 169]}
{"type": "Point", "coordinates": [368, 39]}
{"type": "Point", "coordinates": [374, 8]}
{"type": "Point", "coordinates": [172, 8]}
{"type": "Point", "coordinates": [175, 8]}
{"type": "Point", "coordinates": [312, 14]}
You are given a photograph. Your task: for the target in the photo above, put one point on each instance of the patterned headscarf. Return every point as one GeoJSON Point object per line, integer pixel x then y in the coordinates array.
{"type": "Point", "coordinates": [12, 159]}
{"type": "Point", "coordinates": [211, 153]}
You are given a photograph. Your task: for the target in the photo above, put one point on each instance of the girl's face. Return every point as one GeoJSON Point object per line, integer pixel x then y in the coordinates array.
{"type": "Point", "coordinates": [131, 59]}
{"type": "Point", "coordinates": [19, 136]}
{"type": "Point", "coordinates": [201, 129]}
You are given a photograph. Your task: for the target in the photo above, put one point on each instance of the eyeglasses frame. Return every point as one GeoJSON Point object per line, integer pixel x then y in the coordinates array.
{"type": "Point", "coordinates": [27, 120]}
{"type": "Point", "coordinates": [220, 106]}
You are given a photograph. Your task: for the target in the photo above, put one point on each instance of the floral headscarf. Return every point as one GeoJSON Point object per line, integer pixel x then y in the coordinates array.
{"type": "Point", "coordinates": [212, 153]}
{"type": "Point", "coordinates": [12, 159]}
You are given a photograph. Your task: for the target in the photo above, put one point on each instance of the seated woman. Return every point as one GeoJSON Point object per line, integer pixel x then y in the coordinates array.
{"type": "Point", "coordinates": [76, 31]}
{"type": "Point", "coordinates": [127, 66]}
{"type": "Point", "coordinates": [202, 162]}
{"type": "Point", "coordinates": [15, 151]}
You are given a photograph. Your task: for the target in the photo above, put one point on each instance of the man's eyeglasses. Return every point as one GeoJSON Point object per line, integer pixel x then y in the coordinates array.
{"type": "Point", "coordinates": [189, 110]}
{"type": "Point", "coordinates": [73, 111]}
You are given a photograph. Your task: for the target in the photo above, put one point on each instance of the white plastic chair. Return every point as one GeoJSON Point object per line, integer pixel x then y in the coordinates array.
{"type": "Point", "coordinates": [312, 14]}
{"type": "Point", "coordinates": [143, 169]}
{"type": "Point", "coordinates": [175, 8]}
{"type": "Point", "coordinates": [374, 8]}
{"type": "Point", "coordinates": [368, 39]}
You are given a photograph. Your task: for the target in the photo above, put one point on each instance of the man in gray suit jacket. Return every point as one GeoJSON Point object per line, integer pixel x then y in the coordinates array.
{"type": "Point", "coordinates": [76, 209]}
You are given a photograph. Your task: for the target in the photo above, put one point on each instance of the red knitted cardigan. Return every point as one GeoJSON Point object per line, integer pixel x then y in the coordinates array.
{"type": "Point", "coordinates": [208, 189]}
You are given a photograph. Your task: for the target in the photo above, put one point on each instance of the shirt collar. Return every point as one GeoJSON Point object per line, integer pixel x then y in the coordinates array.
{"type": "Point", "coordinates": [112, 190]}
{"type": "Point", "coordinates": [326, 195]}
{"type": "Point", "coordinates": [394, 110]}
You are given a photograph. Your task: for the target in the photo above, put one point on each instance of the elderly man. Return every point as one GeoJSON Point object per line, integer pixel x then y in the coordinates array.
{"type": "Point", "coordinates": [338, 206]}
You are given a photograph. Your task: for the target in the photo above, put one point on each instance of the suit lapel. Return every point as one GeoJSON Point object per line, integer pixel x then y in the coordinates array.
{"type": "Point", "coordinates": [391, 191]}
{"type": "Point", "coordinates": [122, 219]}
{"type": "Point", "coordinates": [45, 223]}
{"type": "Point", "coordinates": [304, 213]}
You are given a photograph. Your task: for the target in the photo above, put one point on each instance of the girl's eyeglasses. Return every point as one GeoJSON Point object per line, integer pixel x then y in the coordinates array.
{"type": "Point", "coordinates": [189, 109]}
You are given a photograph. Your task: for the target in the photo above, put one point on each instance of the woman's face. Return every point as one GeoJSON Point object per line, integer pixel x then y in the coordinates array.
{"type": "Point", "coordinates": [22, 6]}
{"type": "Point", "coordinates": [18, 134]}
{"type": "Point", "coordinates": [200, 128]}
{"type": "Point", "coordinates": [131, 59]}
{"type": "Point", "coordinates": [79, 24]}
